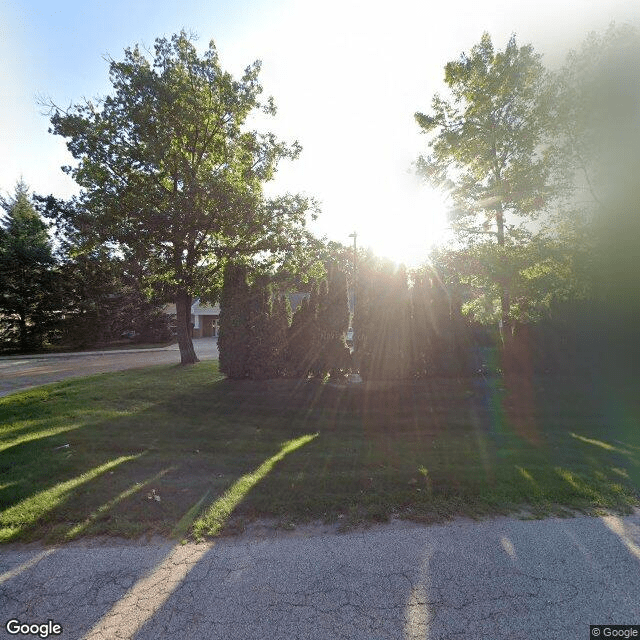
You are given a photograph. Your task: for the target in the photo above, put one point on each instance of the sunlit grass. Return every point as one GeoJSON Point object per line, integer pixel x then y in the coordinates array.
{"type": "Point", "coordinates": [597, 443]}
{"type": "Point", "coordinates": [35, 434]}
{"type": "Point", "coordinates": [218, 513]}
{"type": "Point", "coordinates": [29, 511]}
{"type": "Point", "coordinates": [189, 517]}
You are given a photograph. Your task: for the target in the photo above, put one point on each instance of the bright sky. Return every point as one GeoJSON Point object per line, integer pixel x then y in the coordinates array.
{"type": "Point", "coordinates": [347, 77]}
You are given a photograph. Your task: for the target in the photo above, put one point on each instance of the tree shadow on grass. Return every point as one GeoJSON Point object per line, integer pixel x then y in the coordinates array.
{"type": "Point", "coordinates": [137, 473]}
{"type": "Point", "coordinates": [429, 445]}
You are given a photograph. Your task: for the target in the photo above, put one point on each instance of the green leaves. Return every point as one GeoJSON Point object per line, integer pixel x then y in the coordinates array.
{"type": "Point", "coordinates": [487, 149]}
{"type": "Point", "coordinates": [537, 274]}
{"type": "Point", "coordinates": [170, 173]}
{"type": "Point", "coordinates": [484, 141]}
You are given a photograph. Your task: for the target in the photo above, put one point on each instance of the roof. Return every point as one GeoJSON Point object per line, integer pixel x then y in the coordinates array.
{"type": "Point", "coordinates": [198, 309]}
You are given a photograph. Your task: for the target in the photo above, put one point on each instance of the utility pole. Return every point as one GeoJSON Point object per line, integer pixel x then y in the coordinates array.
{"type": "Point", "coordinates": [354, 235]}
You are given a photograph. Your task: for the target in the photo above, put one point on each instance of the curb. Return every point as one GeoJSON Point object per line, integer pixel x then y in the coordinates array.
{"type": "Point", "coordinates": [77, 354]}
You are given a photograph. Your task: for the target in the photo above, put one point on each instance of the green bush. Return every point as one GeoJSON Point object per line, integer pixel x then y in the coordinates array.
{"type": "Point", "coordinates": [234, 320]}
{"type": "Point", "coordinates": [333, 324]}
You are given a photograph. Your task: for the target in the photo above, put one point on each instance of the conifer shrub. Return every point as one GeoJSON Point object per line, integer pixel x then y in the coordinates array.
{"type": "Point", "coordinates": [261, 340]}
{"type": "Point", "coordinates": [382, 325]}
{"type": "Point", "coordinates": [333, 324]}
{"type": "Point", "coordinates": [234, 320]}
{"type": "Point", "coordinates": [303, 338]}
{"type": "Point", "coordinates": [280, 321]}
{"type": "Point", "coordinates": [441, 339]}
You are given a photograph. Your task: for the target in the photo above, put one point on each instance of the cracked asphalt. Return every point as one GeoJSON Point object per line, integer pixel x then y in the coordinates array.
{"type": "Point", "coordinates": [501, 578]}
{"type": "Point", "coordinates": [23, 372]}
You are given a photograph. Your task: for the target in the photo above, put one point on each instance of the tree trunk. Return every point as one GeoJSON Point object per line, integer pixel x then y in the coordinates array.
{"type": "Point", "coordinates": [183, 326]}
{"type": "Point", "coordinates": [22, 329]}
{"type": "Point", "coordinates": [505, 301]}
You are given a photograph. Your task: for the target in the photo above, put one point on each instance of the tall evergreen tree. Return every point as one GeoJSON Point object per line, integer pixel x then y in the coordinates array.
{"type": "Point", "coordinates": [304, 337]}
{"type": "Point", "coordinates": [421, 333]}
{"type": "Point", "coordinates": [261, 341]}
{"type": "Point", "coordinates": [280, 321]}
{"type": "Point", "coordinates": [382, 324]}
{"type": "Point", "coordinates": [319, 338]}
{"type": "Point", "coordinates": [333, 324]}
{"type": "Point", "coordinates": [103, 292]}
{"type": "Point", "coordinates": [297, 341]}
{"type": "Point", "coordinates": [234, 321]}
{"type": "Point", "coordinates": [318, 293]}
{"type": "Point", "coordinates": [440, 337]}
{"type": "Point", "coordinates": [29, 282]}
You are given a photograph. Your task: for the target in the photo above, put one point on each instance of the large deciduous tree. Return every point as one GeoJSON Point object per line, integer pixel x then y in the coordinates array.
{"type": "Point", "coordinates": [171, 174]}
{"type": "Point", "coordinates": [486, 143]}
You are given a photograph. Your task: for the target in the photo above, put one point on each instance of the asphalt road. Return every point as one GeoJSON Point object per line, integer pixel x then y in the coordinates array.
{"type": "Point", "coordinates": [23, 372]}
{"type": "Point", "coordinates": [502, 578]}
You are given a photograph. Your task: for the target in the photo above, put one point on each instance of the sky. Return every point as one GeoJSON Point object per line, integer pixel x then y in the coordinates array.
{"type": "Point", "coordinates": [347, 77]}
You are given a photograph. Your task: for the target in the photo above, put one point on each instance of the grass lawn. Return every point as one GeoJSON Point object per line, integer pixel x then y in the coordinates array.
{"type": "Point", "coordinates": [184, 452]}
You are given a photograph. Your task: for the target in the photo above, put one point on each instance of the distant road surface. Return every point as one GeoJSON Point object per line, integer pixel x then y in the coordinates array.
{"type": "Point", "coordinates": [23, 372]}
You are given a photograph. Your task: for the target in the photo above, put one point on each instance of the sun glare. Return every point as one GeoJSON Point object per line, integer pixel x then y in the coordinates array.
{"type": "Point", "coordinates": [409, 231]}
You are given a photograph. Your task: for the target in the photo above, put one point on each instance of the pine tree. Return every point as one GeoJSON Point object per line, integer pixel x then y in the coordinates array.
{"type": "Point", "coordinates": [439, 336]}
{"type": "Point", "coordinates": [319, 368]}
{"type": "Point", "coordinates": [333, 323]}
{"type": "Point", "coordinates": [261, 347]}
{"type": "Point", "coordinates": [364, 327]}
{"type": "Point", "coordinates": [382, 325]}
{"type": "Point", "coordinates": [421, 334]}
{"type": "Point", "coordinates": [398, 366]}
{"type": "Point", "coordinates": [234, 320]}
{"type": "Point", "coordinates": [29, 283]}
{"type": "Point", "coordinates": [280, 321]}
{"type": "Point", "coordinates": [304, 337]}
{"type": "Point", "coordinates": [295, 341]}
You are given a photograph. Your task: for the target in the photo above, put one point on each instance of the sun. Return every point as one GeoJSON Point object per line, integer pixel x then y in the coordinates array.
{"type": "Point", "coordinates": [408, 231]}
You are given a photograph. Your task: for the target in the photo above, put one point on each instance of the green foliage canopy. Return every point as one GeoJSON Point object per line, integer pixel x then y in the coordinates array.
{"type": "Point", "coordinates": [170, 173]}
{"type": "Point", "coordinates": [485, 141]}
{"type": "Point", "coordinates": [488, 146]}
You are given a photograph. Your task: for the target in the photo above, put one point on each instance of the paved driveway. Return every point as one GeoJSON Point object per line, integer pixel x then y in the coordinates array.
{"type": "Point", "coordinates": [22, 372]}
{"type": "Point", "coordinates": [503, 578]}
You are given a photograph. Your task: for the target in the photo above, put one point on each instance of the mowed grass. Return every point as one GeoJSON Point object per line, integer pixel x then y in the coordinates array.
{"type": "Point", "coordinates": [184, 452]}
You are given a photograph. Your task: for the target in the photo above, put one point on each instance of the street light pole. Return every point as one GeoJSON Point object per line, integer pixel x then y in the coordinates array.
{"type": "Point", "coordinates": [354, 235]}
